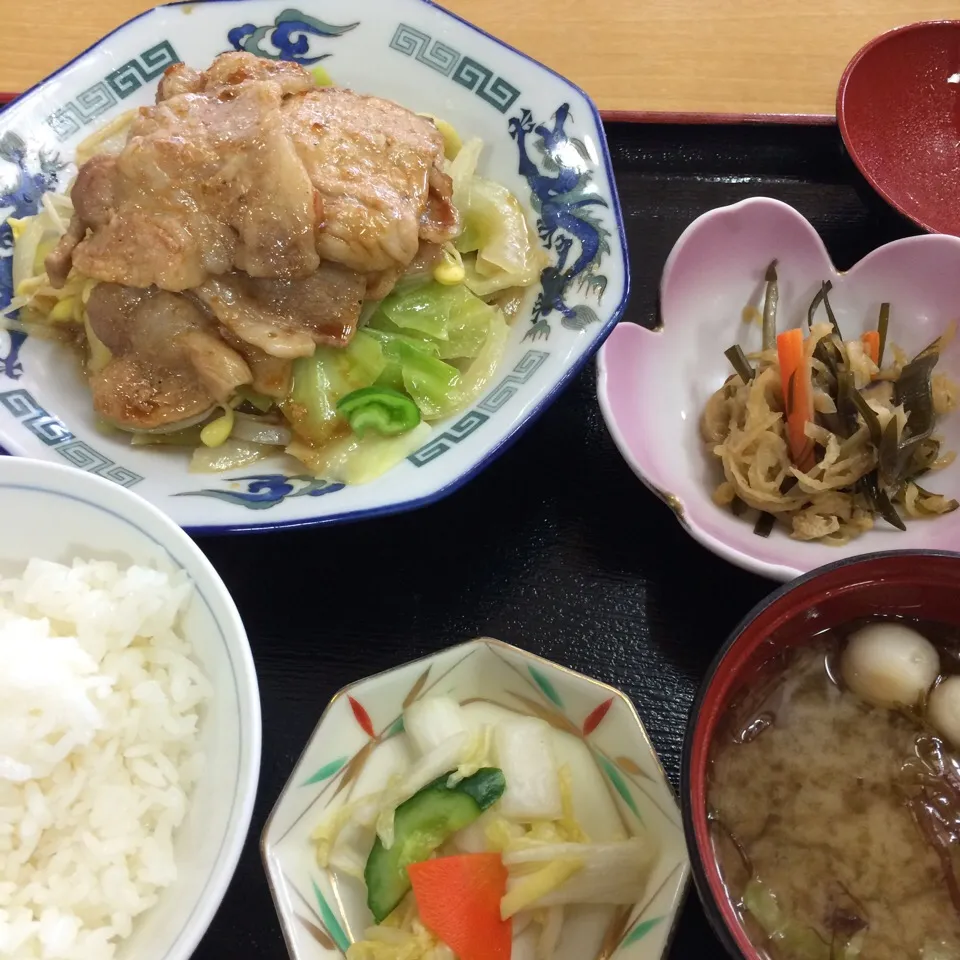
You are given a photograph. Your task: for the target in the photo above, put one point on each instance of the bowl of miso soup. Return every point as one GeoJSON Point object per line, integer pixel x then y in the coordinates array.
{"type": "Point", "coordinates": [821, 767]}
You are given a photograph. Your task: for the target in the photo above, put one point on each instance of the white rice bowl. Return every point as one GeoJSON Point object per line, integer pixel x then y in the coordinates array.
{"type": "Point", "coordinates": [129, 724]}
{"type": "Point", "coordinates": [99, 748]}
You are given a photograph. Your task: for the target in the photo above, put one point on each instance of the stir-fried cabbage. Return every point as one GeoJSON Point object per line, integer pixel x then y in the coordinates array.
{"type": "Point", "coordinates": [37, 306]}
{"type": "Point", "coordinates": [98, 355]}
{"type": "Point", "coordinates": [401, 347]}
{"type": "Point", "coordinates": [495, 229]}
{"type": "Point", "coordinates": [260, 430]}
{"type": "Point", "coordinates": [433, 384]}
{"type": "Point", "coordinates": [323, 379]}
{"type": "Point", "coordinates": [450, 319]}
{"type": "Point", "coordinates": [423, 329]}
{"type": "Point", "coordinates": [353, 460]}
{"type": "Point", "coordinates": [230, 455]}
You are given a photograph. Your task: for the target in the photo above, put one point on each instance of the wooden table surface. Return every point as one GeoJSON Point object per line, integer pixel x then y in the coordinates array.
{"type": "Point", "coordinates": [712, 56]}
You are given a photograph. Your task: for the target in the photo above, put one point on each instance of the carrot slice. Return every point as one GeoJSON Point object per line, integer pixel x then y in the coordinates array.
{"type": "Point", "coordinates": [458, 899]}
{"type": "Point", "coordinates": [797, 396]}
{"type": "Point", "coordinates": [871, 340]}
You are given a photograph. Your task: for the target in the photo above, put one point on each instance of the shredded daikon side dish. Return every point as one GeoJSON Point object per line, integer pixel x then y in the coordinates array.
{"type": "Point", "coordinates": [837, 438]}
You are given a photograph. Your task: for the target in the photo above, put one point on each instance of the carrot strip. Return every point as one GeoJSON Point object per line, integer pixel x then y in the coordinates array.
{"type": "Point", "coordinates": [458, 899]}
{"type": "Point", "coordinates": [797, 396]}
{"type": "Point", "coordinates": [871, 340]}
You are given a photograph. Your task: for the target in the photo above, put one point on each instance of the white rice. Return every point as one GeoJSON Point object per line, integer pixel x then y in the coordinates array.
{"type": "Point", "coordinates": [99, 747]}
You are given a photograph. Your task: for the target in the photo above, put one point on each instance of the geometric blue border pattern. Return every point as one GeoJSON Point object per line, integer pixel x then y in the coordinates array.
{"type": "Point", "coordinates": [529, 363]}
{"type": "Point", "coordinates": [454, 434]}
{"type": "Point", "coordinates": [117, 85]}
{"type": "Point", "coordinates": [445, 60]}
{"type": "Point", "coordinates": [54, 433]}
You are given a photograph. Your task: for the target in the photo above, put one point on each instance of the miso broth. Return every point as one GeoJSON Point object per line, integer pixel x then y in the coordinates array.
{"type": "Point", "coordinates": [836, 823]}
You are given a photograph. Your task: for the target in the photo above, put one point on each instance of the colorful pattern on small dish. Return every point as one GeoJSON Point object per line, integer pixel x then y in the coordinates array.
{"type": "Point", "coordinates": [318, 909]}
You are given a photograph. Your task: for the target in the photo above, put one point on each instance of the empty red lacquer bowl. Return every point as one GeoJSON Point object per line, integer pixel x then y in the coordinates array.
{"type": "Point", "coordinates": [898, 107]}
{"type": "Point", "coordinates": [912, 583]}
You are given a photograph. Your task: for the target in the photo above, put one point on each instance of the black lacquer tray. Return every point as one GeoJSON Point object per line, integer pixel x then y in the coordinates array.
{"type": "Point", "coordinates": [556, 547]}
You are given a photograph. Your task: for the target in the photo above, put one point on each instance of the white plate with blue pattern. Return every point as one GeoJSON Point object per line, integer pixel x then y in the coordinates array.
{"type": "Point", "coordinates": [543, 140]}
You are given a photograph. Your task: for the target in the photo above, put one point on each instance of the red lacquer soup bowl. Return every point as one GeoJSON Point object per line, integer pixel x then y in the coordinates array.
{"type": "Point", "coordinates": [898, 106]}
{"type": "Point", "coordinates": [910, 583]}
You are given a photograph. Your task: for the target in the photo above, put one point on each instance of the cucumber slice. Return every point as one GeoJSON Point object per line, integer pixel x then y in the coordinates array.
{"type": "Point", "coordinates": [421, 825]}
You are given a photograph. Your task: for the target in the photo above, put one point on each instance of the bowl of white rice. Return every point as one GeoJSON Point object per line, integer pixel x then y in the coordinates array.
{"type": "Point", "coordinates": [129, 724]}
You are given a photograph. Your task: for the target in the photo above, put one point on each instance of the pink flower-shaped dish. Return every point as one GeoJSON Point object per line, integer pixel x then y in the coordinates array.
{"type": "Point", "coordinates": [653, 384]}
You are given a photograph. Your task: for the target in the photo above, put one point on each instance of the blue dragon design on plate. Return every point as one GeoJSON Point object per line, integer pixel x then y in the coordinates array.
{"type": "Point", "coordinates": [266, 490]}
{"type": "Point", "coordinates": [562, 195]}
{"type": "Point", "coordinates": [289, 35]}
{"type": "Point", "coordinates": [19, 198]}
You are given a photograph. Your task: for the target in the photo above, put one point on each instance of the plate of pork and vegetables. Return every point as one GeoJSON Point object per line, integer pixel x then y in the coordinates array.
{"type": "Point", "coordinates": [264, 291]}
